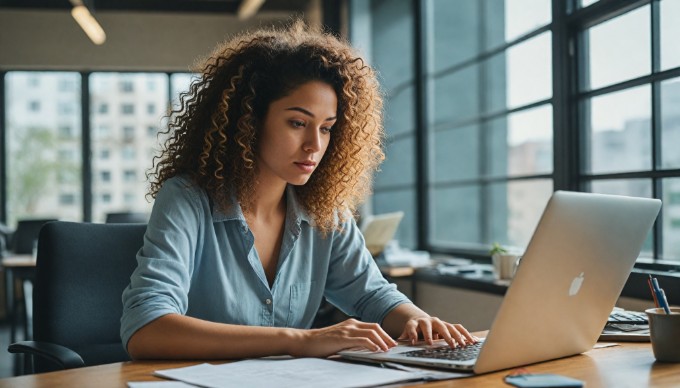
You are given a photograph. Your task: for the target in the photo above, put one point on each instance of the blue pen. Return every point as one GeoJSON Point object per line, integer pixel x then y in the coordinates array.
{"type": "Point", "coordinates": [666, 307]}
{"type": "Point", "coordinates": [660, 296]}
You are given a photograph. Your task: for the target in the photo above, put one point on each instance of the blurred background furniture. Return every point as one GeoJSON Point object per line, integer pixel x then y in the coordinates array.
{"type": "Point", "coordinates": [81, 271]}
{"type": "Point", "coordinates": [127, 218]}
{"type": "Point", "coordinates": [19, 267]}
{"type": "Point", "coordinates": [24, 238]}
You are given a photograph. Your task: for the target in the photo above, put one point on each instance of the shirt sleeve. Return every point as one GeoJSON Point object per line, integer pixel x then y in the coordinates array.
{"type": "Point", "coordinates": [355, 284]}
{"type": "Point", "coordinates": [160, 283]}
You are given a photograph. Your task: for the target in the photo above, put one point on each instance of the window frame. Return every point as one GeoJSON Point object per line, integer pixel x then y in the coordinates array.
{"type": "Point", "coordinates": [569, 55]}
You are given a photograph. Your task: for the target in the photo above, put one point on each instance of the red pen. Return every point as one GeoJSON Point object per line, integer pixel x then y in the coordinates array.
{"type": "Point", "coordinates": [651, 288]}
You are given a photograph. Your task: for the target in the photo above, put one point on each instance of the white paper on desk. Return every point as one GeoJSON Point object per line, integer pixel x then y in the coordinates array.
{"type": "Point", "coordinates": [159, 384]}
{"type": "Point", "coordinates": [299, 373]}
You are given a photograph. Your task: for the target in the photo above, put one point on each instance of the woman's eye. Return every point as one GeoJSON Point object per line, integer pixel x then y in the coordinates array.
{"type": "Point", "coordinates": [326, 129]}
{"type": "Point", "coordinates": [297, 123]}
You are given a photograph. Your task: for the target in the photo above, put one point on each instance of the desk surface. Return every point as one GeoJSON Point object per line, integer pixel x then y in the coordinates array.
{"type": "Point", "coordinates": [627, 365]}
{"type": "Point", "coordinates": [14, 261]}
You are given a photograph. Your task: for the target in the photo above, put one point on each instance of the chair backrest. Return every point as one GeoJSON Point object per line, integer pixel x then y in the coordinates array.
{"type": "Point", "coordinates": [127, 218]}
{"type": "Point", "coordinates": [26, 235]}
{"type": "Point", "coordinates": [81, 272]}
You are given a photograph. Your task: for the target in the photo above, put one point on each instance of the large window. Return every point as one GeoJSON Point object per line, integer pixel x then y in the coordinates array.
{"type": "Point", "coordinates": [629, 96]}
{"type": "Point", "coordinates": [391, 34]}
{"type": "Point", "coordinates": [490, 130]}
{"type": "Point", "coordinates": [44, 151]}
{"type": "Point", "coordinates": [43, 143]}
{"type": "Point", "coordinates": [491, 105]}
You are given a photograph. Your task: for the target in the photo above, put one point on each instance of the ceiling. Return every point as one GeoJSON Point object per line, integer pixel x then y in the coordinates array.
{"type": "Point", "coordinates": [185, 6]}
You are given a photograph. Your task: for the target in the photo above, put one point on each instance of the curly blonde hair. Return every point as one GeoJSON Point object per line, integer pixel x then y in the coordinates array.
{"type": "Point", "coordinates": [213, 134]}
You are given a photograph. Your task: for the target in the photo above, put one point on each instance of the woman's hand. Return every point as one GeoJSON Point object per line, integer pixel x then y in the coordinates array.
{"type": "Point", "coordinates": [413, 322]}
{"type": "Point", "coordinates": [344, 335]}
{"type": "Point", "coordinates": [432, 328]}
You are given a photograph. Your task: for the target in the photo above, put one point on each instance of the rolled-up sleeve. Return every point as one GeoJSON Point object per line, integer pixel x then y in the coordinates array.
{"type": "Point", "coordinates": [160, 283]}
{"type": "Point", "coordinates": [355, 284]}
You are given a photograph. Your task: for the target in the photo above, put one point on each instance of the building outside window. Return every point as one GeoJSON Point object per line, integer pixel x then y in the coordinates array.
{"type": "Point", "coordinates": [106, 198]}
{"type": "Point", "coordinates": [128, 132]}
{"type": "Point", "coordinates": [128, 152]}
{"type": "Point", "coordinates": [67, 199]}
{"type": "Point", "coordinates": [128, 159]}
{"type": "Point", "coordinates": [126, 86]}
{"type": "Point", "coordinates": [129, 176]}
{"type": "Point", "coordinates": [127, 109]}
{"type": "Point", "coordinates": [65, 131]}
{"type": "Point", "coordinates": [151, 131]}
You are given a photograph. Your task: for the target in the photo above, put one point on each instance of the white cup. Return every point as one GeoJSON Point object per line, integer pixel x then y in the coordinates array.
{"type": "Point", "coordinates": [504, 265]}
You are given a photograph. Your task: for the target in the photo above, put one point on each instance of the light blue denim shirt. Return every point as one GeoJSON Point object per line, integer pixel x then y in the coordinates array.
{"type": "Point", "coordinates": [201, 262]}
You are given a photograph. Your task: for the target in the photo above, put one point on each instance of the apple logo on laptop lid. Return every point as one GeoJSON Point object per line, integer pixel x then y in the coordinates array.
{"type": "Point", "coordinates": [576, 284]}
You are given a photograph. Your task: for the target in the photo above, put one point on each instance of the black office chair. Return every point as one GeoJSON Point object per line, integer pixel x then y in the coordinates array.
{"type": "Point", "coordinates": [21, 242]}
{"type": "Point", "coordinates": [127, 218]}
{"type": "Point", "coordinates": [24, 237]}
{"type": "Point", "coordinates": [82, 269]}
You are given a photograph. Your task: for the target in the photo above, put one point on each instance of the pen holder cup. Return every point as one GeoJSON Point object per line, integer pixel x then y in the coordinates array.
{"type": "Point", "coordinates": [504, 265]}
{"type": "Point", "coordinates": [664, 333]}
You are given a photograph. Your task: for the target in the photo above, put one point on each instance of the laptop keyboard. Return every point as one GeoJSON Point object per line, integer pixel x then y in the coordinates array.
{"type": "Point", "coordinates": [628, 317]}
{"type": "Point", "coordinates": [463, 353]}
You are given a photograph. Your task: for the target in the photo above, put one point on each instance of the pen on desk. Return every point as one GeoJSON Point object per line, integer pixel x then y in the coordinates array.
{"type": "Point", "coordinates": [651, 289]}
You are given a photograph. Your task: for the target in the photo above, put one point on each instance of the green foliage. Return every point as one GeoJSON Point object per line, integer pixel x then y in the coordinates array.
{"type": "Point", "coordinates": [497, 248]}
{"type": "Point", "coordinates": [33, 169]}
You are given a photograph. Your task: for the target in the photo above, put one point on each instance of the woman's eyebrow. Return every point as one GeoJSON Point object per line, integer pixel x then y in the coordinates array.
{"type": "Point", "coordinates": [308, 113]}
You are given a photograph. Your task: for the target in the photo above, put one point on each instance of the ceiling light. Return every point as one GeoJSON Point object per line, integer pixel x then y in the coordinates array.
{"type": "Point", "coordinates": [248, 8]}
{"type": "Point", "coordinates": [88, 23]}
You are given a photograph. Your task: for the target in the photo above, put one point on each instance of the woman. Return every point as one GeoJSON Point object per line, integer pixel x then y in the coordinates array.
{"type": "Point", "coordinates": [270, 154]}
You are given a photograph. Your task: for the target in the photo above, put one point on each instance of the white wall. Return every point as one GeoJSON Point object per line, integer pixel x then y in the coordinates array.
{"type": "Point", "coordinates": [135, 41]}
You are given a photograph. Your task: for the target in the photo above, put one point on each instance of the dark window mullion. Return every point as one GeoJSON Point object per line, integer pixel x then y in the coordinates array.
{"type": "Point", "coordinates": [565, 141]}
{"type": "Point", "coordinates": [657, 186]}
{"type": "Point", "coordinates": [3, 150]}
{"type": "Point", "coordinates": [484, 127]}
{"type": "Point", "coordinates": [86, 146]}
{"type": "Point", "coordinates": [581, 75]}
{"type": "Point", "coordinates": [421, 132]}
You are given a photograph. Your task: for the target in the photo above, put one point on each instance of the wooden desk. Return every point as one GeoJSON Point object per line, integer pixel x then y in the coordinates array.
{"type": "Point", "coordinates": [627, 365]}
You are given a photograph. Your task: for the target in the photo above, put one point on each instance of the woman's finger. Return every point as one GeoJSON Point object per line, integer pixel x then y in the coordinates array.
{"type": "Point", "coordinates": [466, 334]}
{"type": "Point", "coordinates": [425, 326]}
{"type": "Point", "coordinates": [410, 332]}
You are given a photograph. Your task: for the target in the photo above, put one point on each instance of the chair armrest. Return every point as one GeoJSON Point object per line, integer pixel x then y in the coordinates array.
{"type": "Point", "coordinates": [63, 356]}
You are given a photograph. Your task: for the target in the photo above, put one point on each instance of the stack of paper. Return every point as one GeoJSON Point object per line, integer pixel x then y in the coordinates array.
{"type": "Point", "coordinates": [298, 372]}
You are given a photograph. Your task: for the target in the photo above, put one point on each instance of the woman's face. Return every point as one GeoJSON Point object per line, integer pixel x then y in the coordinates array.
{"type": "Point", "coordinates": [295, 134]}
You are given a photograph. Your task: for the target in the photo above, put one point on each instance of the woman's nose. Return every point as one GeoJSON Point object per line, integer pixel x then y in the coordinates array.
{"type": "Point", "coordinates": [312, 141]}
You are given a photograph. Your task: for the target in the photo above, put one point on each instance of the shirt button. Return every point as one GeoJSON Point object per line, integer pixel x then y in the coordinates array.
{"type": "Point", "coordinates": [268, 301]}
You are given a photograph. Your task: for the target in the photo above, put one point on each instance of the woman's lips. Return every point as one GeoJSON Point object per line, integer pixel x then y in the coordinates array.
{"type": "Point", "coordinates": [306, 166]}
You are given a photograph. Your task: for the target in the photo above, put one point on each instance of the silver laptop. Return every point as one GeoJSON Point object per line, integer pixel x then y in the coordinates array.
{"type": "Point", "coordinates": [378, 230]}
{"type": "Point", "coordinates": [570, 277]}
